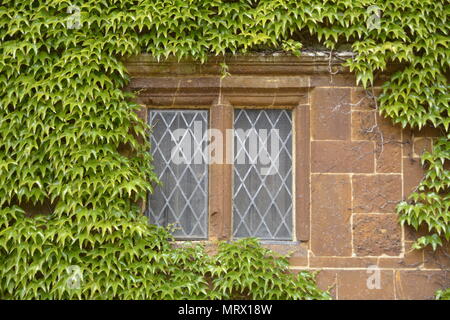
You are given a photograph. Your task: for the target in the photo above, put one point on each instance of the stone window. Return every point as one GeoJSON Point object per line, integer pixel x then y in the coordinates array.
{"type": "Point", "coordinates": [223, 198]}
{"type": "Point", "coordinates": [338, 210]}
{"type": "Point", "coordinates": [262, 172]}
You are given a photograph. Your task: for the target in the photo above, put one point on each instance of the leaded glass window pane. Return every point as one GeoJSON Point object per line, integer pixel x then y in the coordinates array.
{"type": "Point", "coordinates": [262, 187]}
{"type": "Point", "coordinates": [182, 199]}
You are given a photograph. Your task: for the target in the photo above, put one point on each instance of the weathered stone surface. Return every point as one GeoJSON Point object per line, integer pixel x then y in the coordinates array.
{"type": "Point", "coordinates": [421, 145]}
{"type": "Point", "coordinates": [412, 260]}
{"type": "Point", "coordinates": [363, 125]}
{"type": "Point", "coordinates": [389, 131]}
{"type": "Point", "coordinates": [412, 235]}
{"type": "Point", "coordinates": [388, 158]}
{"type": "Point", "coordinates": [302, 173]}
{"type": "Point", "coordinates": [267, 82]}
{"type": "Point", "coordinates": [361, 284]}
{"type": "Point", "coordinates": [330, 111]}
{"type": "Point", "coordinates": [260, 97]}
{"type": "Point", "coordinates": [298, 261]}
{"type": "Point", "coordinates": [146, 65]}
{"type": "Point", "coordinates": [366, 125]}
{"type": "Point", "coordinates": [254, 90]}
{"type": "Point", "coordinates": [327, 80]}
{"type": "Point", "coordinates": [363, 99]}
{"type": "Point", "coordinates": [419, 285]}
{"type": "Point", "coordinates": [331, 211]}
{"type": "Point", "coordinates": [413, 257]}
{"type": "Point", "coordinates": [327, 280]}
{"type": "Point", "coordinates": [427, 132]}
{"type": "Point", "coordinates": [439, 258]}
{"type": "Point", "coordinates": [413, 173]}
{"type": "Point", "coordinates": [422, 139]}
{"type": "Point", "coordinates": [376, 234]}
{"type": "Point", "coordinates": [407, 144]}
{"type": "Point", "coordinates": [220, 182]}
{"type": "Point", "coordinates": [376, 193]}
{"type": "Point", "coordinates": [298, 252]}
{"type": "Point", "coordinates": [369, 125]}
{"type": "Point", "coordinates": [342, 157]}
{"type": "Point", "coordinates": [343, 262]}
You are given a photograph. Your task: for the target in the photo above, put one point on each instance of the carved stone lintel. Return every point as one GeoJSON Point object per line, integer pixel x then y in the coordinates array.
{"type": "Point", "coordinates": [251, 81]}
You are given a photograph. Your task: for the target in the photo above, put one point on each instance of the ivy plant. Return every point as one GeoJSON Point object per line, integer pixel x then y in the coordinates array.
{"type": "Point", "coordinates": [73, 148]}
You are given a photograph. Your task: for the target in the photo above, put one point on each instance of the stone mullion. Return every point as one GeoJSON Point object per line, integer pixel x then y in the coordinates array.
{"type": "Point", "coordinates": [220, 181]}
{"type": "Point", "coordinates": [302, 172]}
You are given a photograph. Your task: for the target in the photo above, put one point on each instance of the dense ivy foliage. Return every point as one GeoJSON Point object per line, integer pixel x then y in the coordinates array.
{"type": "Point", "coordinates": [443, 294]}
{"type": "Point", "coordinates": [70, 141]}
{"type": "Point", "coordinates": [430, 204]}
{"type": "Point", "coordinates": [130, 259]}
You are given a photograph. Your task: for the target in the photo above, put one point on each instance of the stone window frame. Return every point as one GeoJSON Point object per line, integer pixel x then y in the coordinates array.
{"type": "Point", "coordinates": [257, 81]}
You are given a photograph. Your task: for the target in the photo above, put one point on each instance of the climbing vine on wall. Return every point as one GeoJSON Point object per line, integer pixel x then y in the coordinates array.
{"type": "Point", "coordinates": [71, 145]}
